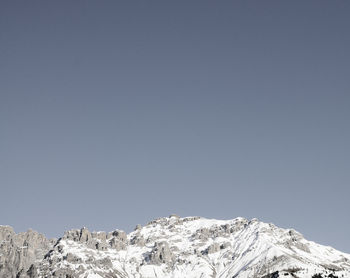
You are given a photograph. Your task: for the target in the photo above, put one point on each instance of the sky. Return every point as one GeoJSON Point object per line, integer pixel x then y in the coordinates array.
{"type": "Point", "coordinates": [114, 113]}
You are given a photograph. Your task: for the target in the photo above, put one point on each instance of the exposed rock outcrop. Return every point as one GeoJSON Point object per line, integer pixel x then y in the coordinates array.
{"type": "Point", "coordinates": [98, 240]}
{"type": "Point", "coordinates": [19, 251]}
{"type": "Point", "coordinates": [161, 254]}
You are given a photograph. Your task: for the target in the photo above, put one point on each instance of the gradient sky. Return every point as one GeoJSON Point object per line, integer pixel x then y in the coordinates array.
{"type": "Point", "coordinates": [113, 113]}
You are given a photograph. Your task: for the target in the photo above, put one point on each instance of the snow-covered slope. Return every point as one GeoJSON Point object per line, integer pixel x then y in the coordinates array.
{"type": "Point", "coordinates": [192, 247]}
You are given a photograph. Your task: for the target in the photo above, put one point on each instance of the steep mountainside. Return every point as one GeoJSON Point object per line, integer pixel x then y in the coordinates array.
{"type": "Point", "coordinates": [19, 251]}
{"type": "Point", "coordinates": [173, 247]}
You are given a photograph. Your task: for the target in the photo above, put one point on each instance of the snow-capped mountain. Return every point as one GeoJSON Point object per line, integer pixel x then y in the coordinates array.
{"type": "Point", "coordinates": [175, 247]}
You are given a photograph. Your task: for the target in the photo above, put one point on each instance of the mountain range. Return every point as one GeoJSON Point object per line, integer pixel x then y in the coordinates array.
{"type": "Point", "coordinates": [171, 247]}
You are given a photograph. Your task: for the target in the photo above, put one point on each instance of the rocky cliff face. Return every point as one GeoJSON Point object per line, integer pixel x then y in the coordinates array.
{"type": "Point", "coordinates": [19, 251]}
{"type": "Point", "coordinates": [172, 247]}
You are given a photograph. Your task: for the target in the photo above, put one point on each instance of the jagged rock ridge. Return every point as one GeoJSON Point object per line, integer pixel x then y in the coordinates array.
{"type": "Point", "coordinates": [19, 251]}
{"type": "Point", "coordinates": [172, 247]}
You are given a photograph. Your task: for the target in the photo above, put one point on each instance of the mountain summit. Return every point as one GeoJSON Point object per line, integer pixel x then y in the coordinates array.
{"type": "Point", "coordinates": [172, 247]}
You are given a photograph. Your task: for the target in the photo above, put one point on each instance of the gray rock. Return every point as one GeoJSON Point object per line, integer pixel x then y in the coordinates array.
{"type": "Point", "coordinates": [225, 245]}
{"type": "Point", "coordinates": [138, 240]}
{"type": "Point", "coordinates": [160, 254]}
{"type": "Point", "coordinates": [99, 235]}
{"type": "Point", "coordinates": [202, 234]}
{"type": "Point", "coordinates": [94, 240]}
{"type": "Point", "coordinates": [101, 245]}
{"type": "Point", "coordinates": [213, 248]}
{"type": "Point", "coordinates": [71, 258]}
{"type": "Point", "coordinates": [19, 251]}
{"type": "Point", "coordinates": [117, 240]}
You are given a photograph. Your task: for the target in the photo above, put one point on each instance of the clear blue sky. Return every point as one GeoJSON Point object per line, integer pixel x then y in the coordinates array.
{"type": "Point", "coordinates": [113, 113]}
